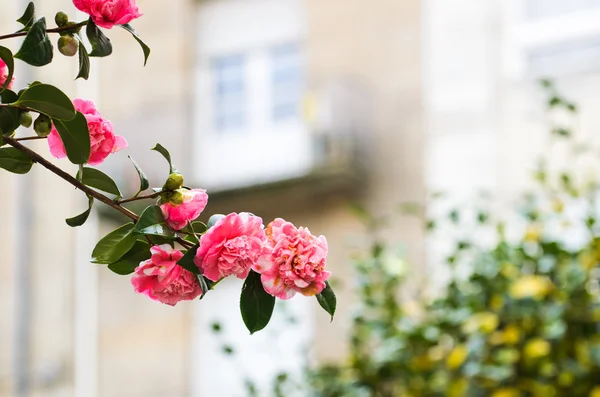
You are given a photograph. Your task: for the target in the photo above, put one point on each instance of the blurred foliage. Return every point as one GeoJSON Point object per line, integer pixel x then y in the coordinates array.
{"type": "Point", "coordinates": [519, 313]}
{"type": "Point", "coordinates": [519, 316]}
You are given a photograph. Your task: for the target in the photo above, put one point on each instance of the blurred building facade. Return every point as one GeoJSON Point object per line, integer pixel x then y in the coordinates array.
{"type": "Point", "coordinates": [292, 108]}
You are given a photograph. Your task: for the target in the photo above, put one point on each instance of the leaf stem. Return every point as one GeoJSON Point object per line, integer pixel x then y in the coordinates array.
{"type": "Point", "coordinates": [73, 181]}
{"type": "Point", "coordinates": [136, 198]}
{"type": "Point", "coordinates": [54, 30]}
{"type": "Point", "coordinates": [30, 138]}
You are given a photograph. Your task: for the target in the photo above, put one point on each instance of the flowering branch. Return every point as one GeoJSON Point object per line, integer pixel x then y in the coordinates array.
{"type": "Point", "coordinates": [148, 196]}
{"type": "Point", "coordinates": [73, 181]}
{"type": "Point", "coordinates": [276, 261]}
{"type": "Point", "coordinates": [61, 29]}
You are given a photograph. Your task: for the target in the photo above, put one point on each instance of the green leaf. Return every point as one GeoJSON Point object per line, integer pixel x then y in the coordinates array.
{"type": "Point", "coordinates": [114, 245]}
{"type": "Point", "coordinates": [99, 180]}
{"type": "Point", "coordinates": [28, 16]}
{"type": "Point", "coordinates": [152, 222]}
{"type": "Point", "coordinates": [49, 100]}
{"type": "Point", "coordinates": [9, 117]}
{"type": "Point", "coordinates": [187, 262]}
{"type": "Point", "coordinates": [7, 56]}
{"type": "Point", "coordinates": [84, 62]}
{"type": "Point", "coordinates": [145, 48]}
{"type": "Point", "coordinates": [144, 184]}
{"type": "Point", "coordinates": [205, 285]}
{"type": "Point", "coordinates": [161, 149]}
{"type": "Point", "coordinates": [36, 49]}
{"type": "Point", "coordinates": [255, 304]}
{"type": "Point", "coordinates": [101, 46]}
{"type": "Point", "coordinates": [81, 218]}
{"type": "Point", "coordinates": [15, 161]}
{"type": "Point", "coordinates": [76, 138]}
{"type": "Point", "coordinates": [327, 299]}
{"type": "Point", "coordinates": [127, 264]}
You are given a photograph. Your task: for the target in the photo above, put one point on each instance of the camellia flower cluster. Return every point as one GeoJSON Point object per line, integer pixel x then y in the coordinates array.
{"type": "Point", "coordinates": [171, 255]}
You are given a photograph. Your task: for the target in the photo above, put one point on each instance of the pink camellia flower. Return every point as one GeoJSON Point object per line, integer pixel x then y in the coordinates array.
{"type": "Point", "coordinates": [231, 247]}
{"type": "Point", "coordinates": [161, 279]}
{"type": "Point", "coordinates": [108, 13]}
{"type": "Point", "coordinates": [4, 75]}
{"type": "Point", "coordinates": [178, 215]}
{"type": "Point", "coordinates": [293, 261]}
{"type": "Point", "coordinates": [103, 141]}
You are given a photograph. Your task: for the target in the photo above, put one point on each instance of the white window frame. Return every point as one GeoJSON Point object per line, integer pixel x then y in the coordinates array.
{"type": "Point", "coordinates": [524, 35]}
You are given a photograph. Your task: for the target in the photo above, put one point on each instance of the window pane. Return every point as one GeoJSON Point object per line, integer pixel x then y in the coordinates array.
{"type": "Point", "coordinates": [550, 8]}
{"type": "Point", "coordinates": [229, 92]}
{"type": "Point", "coordinates": [287, 80]}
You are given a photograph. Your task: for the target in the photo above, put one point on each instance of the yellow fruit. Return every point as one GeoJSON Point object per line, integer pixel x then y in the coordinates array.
{"type": "Point", "coordinates": [536, 348]}
{"type": "Point", "coordinates": [496, 303]}
{"type": "Point", "coordinates": [533, 234]}
{"type": "Point", "coordinates": [457, 357]}
{"type": "Point", "coordinates": [511, 334]}
{"type": "Point", "coordinates": [565, 379]}
{"type": "Point", "coordinates": [506, 392]}
{"type": "Point", "coordinates": [595, 392]}
{"type": "Point", "coordinates": [534, 286]}
{"type": "Point", "coordinates": [485, 322]}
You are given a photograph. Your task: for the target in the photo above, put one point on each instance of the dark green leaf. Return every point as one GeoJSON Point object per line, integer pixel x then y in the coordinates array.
{"type": "Point", "coordinates": [114, 245]}
{"type": "Point", "coordinates": [84, 63]}
{"type": "Point", "coordinates": [127, 264]}
{"type": "Point", "coordinates": [187, 262]}
{"type": "Point", "coordinates": [145, 48]}
{"type": "Point", "coordinates": [76, 138]}
{"type": "Point", "coordinates": [15, 161]}
{"type": "Point", "coordinates": [81, 218]}
{"type": "Point", "coordinates": [196, 227]}
{"type": "Point", "coordinates": [152, 222]}
{"type": "Point", "coordinates": [255, 304]}
{"type": "Point", "coordinates": [49, 100]}
{"type": "Point", "coordinates": [99, 180]}
{"type": "Point", "coordinates": [205, 285]}
{"type": "Point", "coordinates": [144, 184]}
{"type": "Point", "coordinates": [9, 117]}
{"type": "Point", "coordinates": [7, 56]}
{"type": "Point", "coordinates": [28, 16]}
{"type": "Point", "coordinates": [160, 149]}
{"type": "Point", "coordinates": [101, 46]}
{"type": "Point", "coordinates": [327, 300]}
{"type": "Point", "coordinates": [36, 49]}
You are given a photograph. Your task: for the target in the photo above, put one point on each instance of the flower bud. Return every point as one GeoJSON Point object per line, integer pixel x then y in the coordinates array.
{"type": "Point", "coordinates": [61, 19]}
{"type": "Point", "coordinates": [174, 182]}
{"type": "Point", "coordinates": [42, 125]}
{"type": "Point", "coordinates": [25, 119]}
{"type": "Point", "coordinates": [214, 219]}
{"type": "Point", "coordinates": [176, 197]}
{"type": "Point", "coordinates": [68, 45]}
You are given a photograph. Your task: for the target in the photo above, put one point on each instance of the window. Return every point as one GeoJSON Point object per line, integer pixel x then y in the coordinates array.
{"type": "Point", "coordinates": [550, 8]}
{"type": "Point", "coordinates": [229, 92]}
{"type": "Point", "coordinates": [286, 81]}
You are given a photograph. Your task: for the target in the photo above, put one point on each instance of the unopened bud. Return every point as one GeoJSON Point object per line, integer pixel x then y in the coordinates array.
{"type": "Point", "coordinates": [176, 197]}
{"type": "Point", "coordinates": [61, 19]}
{"type": "Point", "coordinates": [174, 182]}
{"type": "Point", "coordinates": [42, 125]}
{"type": "Point", "coordinates": [25, 119]}
{"type": "Point", "coordinates": [68, 45]}
{"type": "Point", "coordinates": [214, 219]}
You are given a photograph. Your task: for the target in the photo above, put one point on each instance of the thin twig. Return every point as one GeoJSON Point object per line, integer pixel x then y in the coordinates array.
{"type": "Point", "coordinates": [30, 138]}
{"type": "Point", "coordinates": [54, 30]}
{"type": "Point", "coordinates": [91, 192]}
{"type": "Point", "coordinates": [148, 196]}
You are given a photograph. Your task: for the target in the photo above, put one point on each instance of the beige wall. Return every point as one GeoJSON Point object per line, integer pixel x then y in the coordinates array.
{"type": "Point", "coordinates": [143, 346]}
